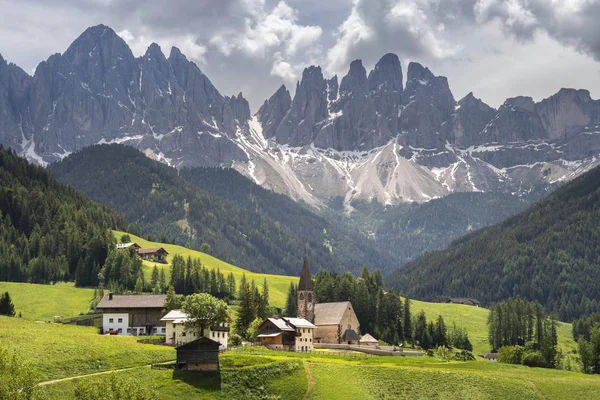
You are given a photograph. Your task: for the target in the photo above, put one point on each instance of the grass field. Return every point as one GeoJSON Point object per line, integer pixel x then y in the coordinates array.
{"type": "Point", "coordinates": [278, 284]}
{"type": "Point", "coordinates": [260, 374]}
{"type": "Point", "coordinates": [59, 351]}
{"type": "Point", "coordinates": [44, 302]}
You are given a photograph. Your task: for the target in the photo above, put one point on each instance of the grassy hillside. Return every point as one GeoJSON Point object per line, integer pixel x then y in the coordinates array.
{"type": "Point", "coordinates": [549, 253]}
{"type": "Point", "coordinates": [278, 284]}
{"type": "Point", "coordinates": [44, 302]}
{"type": "Point", "coordinates": [59, 351]}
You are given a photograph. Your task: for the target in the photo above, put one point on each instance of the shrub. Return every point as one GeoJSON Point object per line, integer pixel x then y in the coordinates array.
{"type": "Point", "coordinates": [510, 354]}
{"type": "Point", "coordinates": [534, 359]}
{"type": "Point", "coordinates": [464, 356]}
{"type": "Point", "coordinates": [235, 340]}
{"type": "Point", "coordinates": [443, 353]}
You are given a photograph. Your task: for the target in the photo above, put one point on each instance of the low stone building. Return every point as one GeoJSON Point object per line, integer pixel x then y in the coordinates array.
{"type": "Point", "coordinates": [292, 334]}
{"type": "Point", "coordinates": [368, 340]}
{"type": "Point", "coordinates": [199, 355]}
{"type": "Point", "coordinates": [132, 314]}
{"type": "Point", "coordinates": [177, 334]}
{"type": "Point", "coordinates": [336, 323]}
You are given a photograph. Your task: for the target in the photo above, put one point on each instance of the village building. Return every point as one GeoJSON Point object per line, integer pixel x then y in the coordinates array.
{"type": "Point", "coordinates": [128, 245]}
{"type": "Point", "coordinates": [464, 300]}
{"type": "Point", "coordinates": [335, 322]}
{"type": "Point", "coordinates": [132, 314]}
{"type": "Point", "coordinates": [292, 334]}
{"type": "Point", "coordinates": [368, 340]}
{"type": "Point", "coordinates": [199, 355]}
{"type": "Point", "coordinates": [177, 334]}
{"type": "Point", "coordinates": [154, 254]}
{"type": "Point", "coordinates": [490, 356]}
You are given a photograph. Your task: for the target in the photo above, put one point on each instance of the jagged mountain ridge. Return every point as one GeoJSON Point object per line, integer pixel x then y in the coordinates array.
{"type": "Point", "coordinates": [364, 137]}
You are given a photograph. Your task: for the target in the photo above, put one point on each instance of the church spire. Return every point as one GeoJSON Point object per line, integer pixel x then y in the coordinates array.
{"type": "Point", "coordinates": [306, 282]}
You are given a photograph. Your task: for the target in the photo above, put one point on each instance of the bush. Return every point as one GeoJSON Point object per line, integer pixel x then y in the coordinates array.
{"type": "Point", "coordinates": [464, 356]}
{"type": "Point", "coordinates": [443, 353]}
{"type": "Point", "coordinates": [534, 359]}
{"type": "Point", "coordinates": [510, 354]}
{"type": "Point", "coordinates": [235, 340]}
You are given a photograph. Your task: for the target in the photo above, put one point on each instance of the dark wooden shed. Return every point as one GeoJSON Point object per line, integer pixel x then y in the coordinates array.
{"type": "Point", "coordinates": [200, 355]}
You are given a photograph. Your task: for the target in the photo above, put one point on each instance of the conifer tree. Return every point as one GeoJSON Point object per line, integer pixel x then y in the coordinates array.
{"type": "Point", "coordinates": [6, 305]}
{"type": "Point", "coordinates": [246, 310]}
{"type": "Point", "coordinates": [291, 303]}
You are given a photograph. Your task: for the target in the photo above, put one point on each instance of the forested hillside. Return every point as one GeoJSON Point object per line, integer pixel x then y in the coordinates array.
{"type": "Point", "coordinates": [242, 223]}
{"type": "Point", "coordinates": [549, 253]}
{"type": "Point", "coordinates": [49, 232]}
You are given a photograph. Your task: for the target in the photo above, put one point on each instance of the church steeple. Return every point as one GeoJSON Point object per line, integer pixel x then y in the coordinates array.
{"type": "Point", "coordinates": [306, 295]}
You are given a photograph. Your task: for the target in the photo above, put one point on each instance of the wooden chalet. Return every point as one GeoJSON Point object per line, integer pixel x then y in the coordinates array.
{"type": "Point", "coordinates": [129, 245]}
{"type": "Point", "coordinates": [293, 334]}
{"type": "Point", "coordinates": [132, 314]}
{"type": "Point", "coordinates": [157, 254]}
{"type": "Point", "coordinates": [199, 355]}
{"type": "Point", "coordinates": [464, 300]}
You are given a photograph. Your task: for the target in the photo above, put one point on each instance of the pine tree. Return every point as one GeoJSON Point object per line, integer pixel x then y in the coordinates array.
{"type": "Point", "coordinates": [263, 305]}
{"type": "Point", "coordinates": [440, 338]}
{"type": "Point", "coordinates": [154, 280]}
{"type": "Point", "coordinates": [408, 333]}
{"type": "Point", "coordinates": [162, 281]}
{"type": "Point", "coordinates": [246, 310]}
{"type": "Point", "coordinates": [231, 285]}
{"type": "Point", "coordinates": [291, 303]}
{"type": "Point", "coordinates": [6, 305]}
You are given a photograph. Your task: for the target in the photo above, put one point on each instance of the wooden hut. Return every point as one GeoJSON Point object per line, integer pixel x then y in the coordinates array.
{"type": "Point", "coordinates": [199, 355]}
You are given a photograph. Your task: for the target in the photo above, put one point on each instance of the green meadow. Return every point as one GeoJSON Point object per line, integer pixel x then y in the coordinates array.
{"type": "Point", "coordinates": [44, 302]}
{"type": "Point", "coordinates": [278, 284]}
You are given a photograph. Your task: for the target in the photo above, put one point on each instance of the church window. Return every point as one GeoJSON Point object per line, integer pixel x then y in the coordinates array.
{"type": "Point", "coordinates": [310, 297]}
{"type": "Point", "coordinates": [301, 296]}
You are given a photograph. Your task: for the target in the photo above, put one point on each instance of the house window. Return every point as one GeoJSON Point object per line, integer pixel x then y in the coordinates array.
{"type": "Point", "coordinates": [164, 330]}
{"type": "Point", "coordinates": [183, 333]}
{"type": "Point", "coordinates": [128, 330]}
{"type": "Point", "coordinates": [212, 334]}
{"type": "Point", "coordinates": [120, 330]}
{"type": "Point", "coordinates": [120, 320]}
{"type": "Point", "coordinates": [111, 320]}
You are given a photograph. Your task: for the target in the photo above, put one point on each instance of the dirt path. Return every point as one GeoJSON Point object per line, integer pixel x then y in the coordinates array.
{"type": "Point", "coordinates": [538, 391]}
{"type": "Point", "coordinates": [71, 378]}
{"type": "Point", "coordinates": [310, 378]}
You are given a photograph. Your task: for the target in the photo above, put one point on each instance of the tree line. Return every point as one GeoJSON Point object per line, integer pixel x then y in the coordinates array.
{"type": "Point", "coordinates": [523, 333]}
{"type": "Point", "coordinates": [586, 332]}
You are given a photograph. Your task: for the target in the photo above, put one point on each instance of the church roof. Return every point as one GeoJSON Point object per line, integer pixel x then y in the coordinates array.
{"type": "Point", "coordinates": [306, 282]}
{"type": "Point", "coordinates": [330, 313]}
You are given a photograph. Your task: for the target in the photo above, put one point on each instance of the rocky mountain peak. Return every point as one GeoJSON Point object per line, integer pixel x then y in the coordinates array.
{"type": "Point", "coordinates": [356, 79]}
{"type": "Point", "coordinates": [418, 72]}
{"type": "Point", "coordinates": [271, 113]}
{"type": "Point", "coordinates": [387, 74]}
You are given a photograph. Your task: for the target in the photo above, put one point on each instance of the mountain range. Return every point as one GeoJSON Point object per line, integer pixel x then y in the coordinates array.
{"type": "Point", "coordinates": [371, 135]}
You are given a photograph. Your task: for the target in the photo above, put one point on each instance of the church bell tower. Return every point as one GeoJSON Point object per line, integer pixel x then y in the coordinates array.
{"type": "Point", "coordinates": [306, 294]}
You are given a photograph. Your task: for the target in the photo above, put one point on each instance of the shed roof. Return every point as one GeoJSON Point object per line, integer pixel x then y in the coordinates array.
{"type": "Point", "coordinates": [201, 344]}
{"type": "Point", "coordinates": [133, 301]}
{"type": "Point", "coordinates": [367, 338]}
{"type": "Point", "coordinates": [306, 282]}
{"type": "Point", "coordinates": [330, 313]}
{"type": "Point", "coordinates": [463, 300]}
{"type": "Point", "coordinates": [152, 250]}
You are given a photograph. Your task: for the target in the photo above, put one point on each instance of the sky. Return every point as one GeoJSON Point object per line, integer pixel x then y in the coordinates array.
{"type": "Point", "coordinates": [495, 48]}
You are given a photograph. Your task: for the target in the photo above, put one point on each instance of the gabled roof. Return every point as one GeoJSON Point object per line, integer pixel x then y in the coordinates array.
{"type": "Point", "coordinates": [330, 313]}
{"type": "Point", "coordinates": [174, 315]}
{"type": "Point", "coordinates": [127, 245]}
{"type": "Point", "coordinates": [463, 300]}
{"type": "Point", "coordinates": [306, 282]}
{"type": "Point", "coordinates": [367, 338]}
{"type": "Point", "coordinates": [299, 322]}
{"type": "Point", "coordinates": [489, 355]}
{"type": "Point", "coordinates": [133, 301]}
{"type": "Point", "coordinates": [152, 250]}
{"type": "Point", "coordinates": [202, 343]}
{"type": "Point", "coordinates": [281, 324]}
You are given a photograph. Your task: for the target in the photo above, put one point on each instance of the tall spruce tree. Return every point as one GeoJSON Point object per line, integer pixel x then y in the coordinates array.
{"type": "Point", "coordinates": [291, 303]}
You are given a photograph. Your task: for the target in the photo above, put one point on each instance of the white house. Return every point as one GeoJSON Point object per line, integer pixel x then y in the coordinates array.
{"type": "Point", "coordinates": [291, 334]}
{"type": "Point", "coordinates": [132, 314]}
{"type": "Point", "coordinates": [177, 334]}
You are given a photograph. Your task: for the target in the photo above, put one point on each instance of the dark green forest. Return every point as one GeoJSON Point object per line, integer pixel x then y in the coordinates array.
{"type": "Point", "coordinates": [243, 223]}
{"type": "Point", "coordinates": [549, 253]}
{"type": "Point", "coordinates": [49, 232]}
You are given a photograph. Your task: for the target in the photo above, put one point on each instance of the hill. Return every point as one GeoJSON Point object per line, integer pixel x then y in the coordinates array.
{"type": "Point", "coordinates": [165, 205]}
{"type": "Point", "coordinates": [549, 253]}
{"type": "Point", "coordinates": [49, 232]}
{"type": "Point", "coordinates": [278, 284]}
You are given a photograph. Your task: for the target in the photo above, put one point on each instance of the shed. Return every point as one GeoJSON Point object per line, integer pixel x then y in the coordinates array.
{"type": "Point", "coordinates": [490, 356]}
{"type": "Point", "coordinates": [200, 355]}
{"type": "Point", "coordinates": [464, 300]}
{"type": "Point", "coordinates": [153, 254]}
{"type": "Point", "coordinates": [368, 340]}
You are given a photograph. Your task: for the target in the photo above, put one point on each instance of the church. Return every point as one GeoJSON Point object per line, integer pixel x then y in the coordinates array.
{"type": "Point", "coordinates": [335, 322]}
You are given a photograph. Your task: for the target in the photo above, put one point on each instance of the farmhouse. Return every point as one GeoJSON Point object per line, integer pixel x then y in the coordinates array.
{"type": "Point", "coordinates": [199, 355]}
{"type": "Point", "coordinates": [293, 334]}
{"type": "Point", "coordinates": [462, 300]}
{"type": "Point", "coordinates": [132, 314]}
{"type": "Point", "coordinates": [490, 356]}
{"type": "Point", "coordinates": [335, 322]}
{"type": "Point", "coordinates": [177, 334]}
{"type": "Point", "coordinates": [154, 254]}
{"type": "Point", "coordinates": [128, 245]}
{"type": "Point", "coordinates": [368, 340]}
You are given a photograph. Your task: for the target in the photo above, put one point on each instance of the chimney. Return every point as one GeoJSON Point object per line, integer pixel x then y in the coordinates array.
{"type": "Point", "coordinates": [110, 296]}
